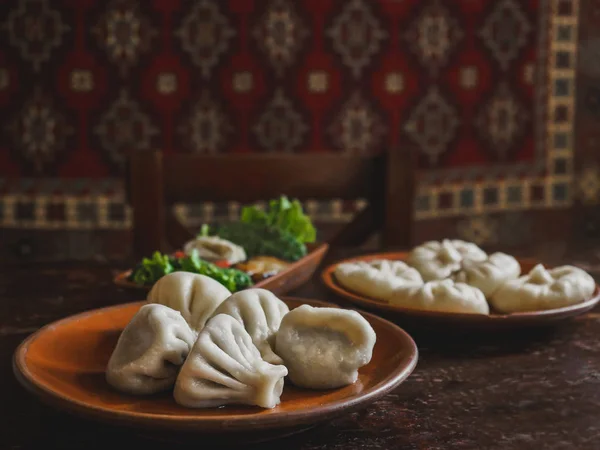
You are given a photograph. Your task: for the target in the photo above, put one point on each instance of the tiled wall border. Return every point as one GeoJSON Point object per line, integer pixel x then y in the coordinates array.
{"type": "Point", "coordinates": [552, 190]}
{"type": "Point", "coordinates": [49, 211]}
{"type": "Point", "coordinates": [64, 212]}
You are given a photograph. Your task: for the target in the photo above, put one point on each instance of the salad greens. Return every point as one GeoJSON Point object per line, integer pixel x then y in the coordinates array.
{"type": "Point", "coordinates": [232, 279]}
{"type": "Point", "coordinates": [284, 215]}
{"type": "Point", "coordinates": [260, 240]}
{"type": "Point", "coordinates": [282, 231]}
{"type": "Point", "coordinates": [150, 270]}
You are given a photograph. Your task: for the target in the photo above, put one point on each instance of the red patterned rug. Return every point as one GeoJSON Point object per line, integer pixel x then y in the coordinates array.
{"type": "Point", "coordinates": [484, 90]}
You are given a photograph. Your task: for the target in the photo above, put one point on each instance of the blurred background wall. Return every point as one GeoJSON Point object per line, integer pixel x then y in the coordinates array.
{"type": "Point", "coordinates": [501, 99]}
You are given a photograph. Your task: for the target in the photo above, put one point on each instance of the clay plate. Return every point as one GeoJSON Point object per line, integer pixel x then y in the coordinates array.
{"type": "Point", "coordinates": [285, 281]}
{"type": "Point", "coordinates": [493, 320]}
{"type": "Point", "coordinates": [63, 363]}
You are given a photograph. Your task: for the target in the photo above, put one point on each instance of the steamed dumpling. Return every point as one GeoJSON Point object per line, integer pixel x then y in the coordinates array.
{"type": "Point", "coordinates": [442, 296]}
{"type": "Point", "coordinates": [195, 296]}
{"type": "Point", "coordinates": [323, 348]}
{"type": "Point", "coordinates": [214, 248]}
{"type": "Point", "coordinates": [543, 289]}
{"type": "Point", "coordinates": [224, 367]}
{"type": "Point", "coordinates": [490, 274]}
{"type": "Point", "coordinates": [260, 312]}
{"type": "Point", "coordinates": [377, 278]}
{"type": "Point", "coordinates": [150, 351]}
{"type": "Point", "coordinates": [437, 260]}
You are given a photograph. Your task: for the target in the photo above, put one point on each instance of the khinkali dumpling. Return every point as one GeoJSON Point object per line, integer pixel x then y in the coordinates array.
{"type": "Point", "coordinates": [150, 351]}
{"type": "Point", "coordinates": [214, 248]}
{"type": "Point", "coordinates": [543, 289]}
{"type": "Point", "coordinates": [488, 275]}
{"type": "Point", "coordinates": [323, 348]}
{"type": "Point", "coordinates": [225, 367]}
{"type": "Point", "coordinates": [437, 260]}
{"type": "Point", "coordinates": [377, 278]}
{"type": "Point", "coordinates": [195, 296]}
{"type": "Point", "coordinates": [443, 296]}
{"type": "Point", "coordinates": [260, 312]}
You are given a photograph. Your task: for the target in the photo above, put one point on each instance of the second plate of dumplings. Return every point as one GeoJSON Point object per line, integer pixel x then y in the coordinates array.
{"type": "Point", "coordinates": [467, 287]}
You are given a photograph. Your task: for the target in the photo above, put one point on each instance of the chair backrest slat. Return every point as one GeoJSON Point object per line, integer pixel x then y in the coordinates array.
{"type": "Point", "coordinates": [156, 181]}
{"type": "Point", "coordinates": [247, 178]}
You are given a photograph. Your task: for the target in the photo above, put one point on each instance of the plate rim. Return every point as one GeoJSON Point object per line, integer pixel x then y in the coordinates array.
{"type": "Point", "coordinates": [237, 423]}
{"type": "Point", "coordinates": [329, 279]}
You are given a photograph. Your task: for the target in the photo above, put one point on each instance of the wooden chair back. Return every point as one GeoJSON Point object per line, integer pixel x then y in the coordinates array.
{"type": "Point", "coordinates": [156, 181]}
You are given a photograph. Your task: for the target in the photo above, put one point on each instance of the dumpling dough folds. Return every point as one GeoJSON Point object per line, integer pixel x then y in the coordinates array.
{"type": "Point", "coordinates": [378, 278]}
{"type": "Point", "coordinates": [323, 348]}
{"type": "Point", "coordinates": [437, 260]}
{"type": "Point", "coordinates": [543, 289]}
{"type": "Point", "coordinates": [260, 312]}
{"type": "Point", "coordinates": [442, 296]}
{"type": "Point", "coordinates": [490, 274]}
{"type": "Point", "coordinates": [150, 351]}
{"type": "Point", "coordinates": [225, 367]}
{"type": "Point", "coordinates": [195, 296]}
{"type": "Point", "coordinates": [214, 248]}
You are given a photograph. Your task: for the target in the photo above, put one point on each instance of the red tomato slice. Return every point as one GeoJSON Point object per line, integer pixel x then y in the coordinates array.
{"type": "Point", "coordinates": [179, 254]}
{"type": "Point", "coordinates": [223, 264]}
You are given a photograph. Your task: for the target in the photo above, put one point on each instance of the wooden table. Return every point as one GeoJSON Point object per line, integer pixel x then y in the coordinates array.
{"type": "Point", "coordinates": [536, 389]}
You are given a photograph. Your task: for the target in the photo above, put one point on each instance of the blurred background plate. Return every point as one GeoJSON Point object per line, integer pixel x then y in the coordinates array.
{"type": "Point", "coordinates": [491, 321]}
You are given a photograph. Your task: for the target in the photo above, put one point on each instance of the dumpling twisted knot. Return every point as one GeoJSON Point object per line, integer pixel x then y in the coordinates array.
{"type": "Point", "coordinates": [539, 275]}
{"type": "Point", "coordinates": [448, 253]}
{"type": "Point", "coordinates": [543, 289]}
{"type": "Point", "coordinates": [437, 260]}
{"type": "Point", "coordinates": [488, 275]}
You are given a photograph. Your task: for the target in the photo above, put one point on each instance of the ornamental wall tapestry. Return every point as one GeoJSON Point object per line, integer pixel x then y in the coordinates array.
{"type": "Point", "coordinates": [485, 90]}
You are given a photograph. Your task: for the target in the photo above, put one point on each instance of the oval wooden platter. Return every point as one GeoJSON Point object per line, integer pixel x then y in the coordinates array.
{"type": "Point", "coordinates": [294, 276]}
{"type": "Point", "coordinates": [63, 364]}
{"type": "Point", "coordinates": [491, 321]}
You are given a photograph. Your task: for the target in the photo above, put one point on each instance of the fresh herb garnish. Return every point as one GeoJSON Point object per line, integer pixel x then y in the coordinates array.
{"type": "Point", "coordinates": [261, 240]}
{"type": "Point", "coordinates": [150, 270]}
{"type": "Point", "coordinates": [284, 215]}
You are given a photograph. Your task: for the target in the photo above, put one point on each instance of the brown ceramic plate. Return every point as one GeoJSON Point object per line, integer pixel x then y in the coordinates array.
{"type": "Point", "coordinates": [289, 279]}
{"type": "Point", "coordinates": [492, 320]}
{"type": "Point", "coordinates": [64, 362]}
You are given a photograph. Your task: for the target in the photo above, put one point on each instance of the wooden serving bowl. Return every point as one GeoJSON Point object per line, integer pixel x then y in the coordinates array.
{"type": "Point", "coordinates": [285, 281]}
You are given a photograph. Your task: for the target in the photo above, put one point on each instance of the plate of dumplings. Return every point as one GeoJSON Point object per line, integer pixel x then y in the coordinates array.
{"type": "Point", "coordinates": [454, 281]}
{"type": "Point", "coordinates": [195, 358]}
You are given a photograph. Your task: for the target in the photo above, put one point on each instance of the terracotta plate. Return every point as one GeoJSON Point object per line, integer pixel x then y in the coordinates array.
{"type": "Point", "coordinates": [64, 362]}
{"type": "Point", "coordinates": [295, 275]}
{"type": "Point", "coordinates": [493, 320]}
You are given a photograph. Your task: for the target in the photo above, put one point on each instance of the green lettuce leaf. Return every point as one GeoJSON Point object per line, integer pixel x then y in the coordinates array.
{"type": "Point", "coordinates": [152, 269]}
{"type": "Point", "coordinates": [285, 215]}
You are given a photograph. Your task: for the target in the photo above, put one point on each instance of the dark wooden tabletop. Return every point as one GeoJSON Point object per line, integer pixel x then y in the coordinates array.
{"type": "Point", "coordinates": [532, 389]}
